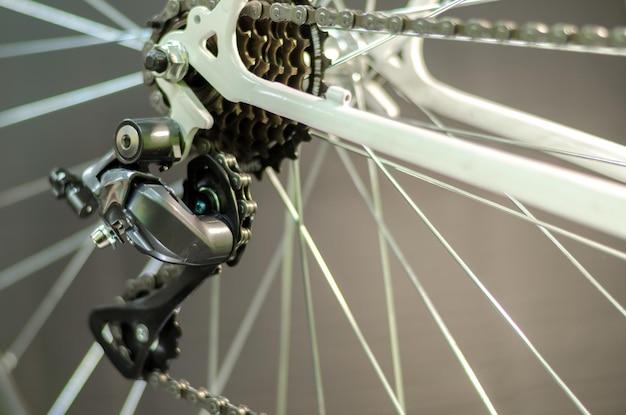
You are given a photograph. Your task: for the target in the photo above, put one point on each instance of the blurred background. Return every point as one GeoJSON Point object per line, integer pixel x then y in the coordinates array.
{"type": "Point", "coordinates": [572, 325]}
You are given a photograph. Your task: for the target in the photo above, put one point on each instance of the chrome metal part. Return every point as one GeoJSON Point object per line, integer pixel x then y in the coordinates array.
{"type": "Point", "coordinates": [149, 140]}
{"type": "Point", "coordinates": [174, 62]}
{"type": "Point", "coordinates": [141, 208]}
{"type": "Point", "coordinates": [104, 236]}
{"type": "Point", "coordinates": [166, 229]}
{"type": "Point", "coordinates": [69, 187]}
{"type": "Point", "coordinates": [127, 144]}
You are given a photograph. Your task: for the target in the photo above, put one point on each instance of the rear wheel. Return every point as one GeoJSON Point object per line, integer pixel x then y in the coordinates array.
{"type": "Point", "coordinates": [570, 321]}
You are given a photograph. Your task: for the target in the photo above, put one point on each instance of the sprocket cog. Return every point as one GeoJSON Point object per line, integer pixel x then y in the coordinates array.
{"type": "Point", "coordinates": [280, 52]}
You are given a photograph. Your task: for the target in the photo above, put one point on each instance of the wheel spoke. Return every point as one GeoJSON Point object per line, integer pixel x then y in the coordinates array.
{"type": "Point", "coordinates": [544, 230]}
{"type": "Point", "coordinates": [67, 20]}
{"type": "Point", "coordinates": [77, 381]}
{"type": "Point", "coordinates": [68, 99]}
{"type": "Point", "coordinates": [388, 284]}
{"type": "Point", "coordinates": [11, 401]}
{"type": "Point", "coordinates": [411, 10]}
{"type": "Point", "coordinates": [31, 47]}
{"type": "Point", "coordinates": [480, 285]}
{"type": "Point", "coordinates": [48, 304]}
{"type": "Point", "coordinates": [571, 258]}
{"type": "Point", "coordinates": [33, 188]}
{"type": "Point", "coordinates": [334, 287]}
{"type": "Point", "coordinates": [134, 397]}
{"type": "Point", "coordinates": [88, 364]}
{"type": "Point", "coordinates": [113, 14]}
{"type": "Point", "coordinates": [434, 313]}
{"type": "Point", "coordinates": [24, 191]}
{"type": "Point", "coordinates": [285, 314]}
{"type": "Point", "coordinates": [260, 295]}
{"type": "Point", "coordinates": [412, 173]}
{"type": "Point", "coordinates": [388, 106]}
{"type": "Point", "coordinates": [499, 140]}
{"type": "Point", "coordinates": [243, 332]}
{"type": "Point", "coordinates": [308, 295]}
{"type": "Point", "coordinates": [215, 285]}
{"type": "Point", "coordinates": [42, 259]}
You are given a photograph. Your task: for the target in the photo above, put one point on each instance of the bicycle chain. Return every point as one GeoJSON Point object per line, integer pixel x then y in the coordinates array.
{"type": "Point", "coordinates": [240, 183]}
{"type": "Point", "coordinates": [506, 32]}
{"type": "Point", "coordinates": [178, 388]}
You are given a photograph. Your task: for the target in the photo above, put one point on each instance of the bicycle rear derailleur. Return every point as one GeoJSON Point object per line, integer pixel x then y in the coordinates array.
{"type": "Point", "coordinates": [208, 226]}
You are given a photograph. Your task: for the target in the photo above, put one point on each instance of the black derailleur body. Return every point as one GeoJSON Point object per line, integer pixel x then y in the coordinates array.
{"type": "Point", "coordinates": [208, 226]}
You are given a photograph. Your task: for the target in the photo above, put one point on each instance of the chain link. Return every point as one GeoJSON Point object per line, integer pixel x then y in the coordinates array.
{"type": "Point", "coordinates": [559, 35]}
{"type": "Point", "coordinates": [178, 388]}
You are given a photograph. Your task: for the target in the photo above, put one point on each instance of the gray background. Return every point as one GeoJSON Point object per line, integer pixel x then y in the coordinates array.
{"type": "Point", "coordinates": [578, 332]}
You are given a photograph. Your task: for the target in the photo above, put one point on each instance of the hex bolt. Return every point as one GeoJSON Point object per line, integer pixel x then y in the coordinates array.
{"type": "Point", "coordinates": [169, 60]}
{"type": "Point", "coordinates": [156, 60]}
{"type": "Point", "coordinates": [142, 334]}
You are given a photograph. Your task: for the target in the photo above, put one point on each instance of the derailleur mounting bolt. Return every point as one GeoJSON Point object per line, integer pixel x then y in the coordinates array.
{"type": "Point", "coordinates": [156, 61]}
{"type": "Point", "coordinates": [104, 236]}
{"type": "Point", "coordinates": [168, 60]}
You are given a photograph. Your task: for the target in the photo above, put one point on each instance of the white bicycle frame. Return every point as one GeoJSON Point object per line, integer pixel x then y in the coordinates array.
{"type": "Point", "coordinates": [590, 200]}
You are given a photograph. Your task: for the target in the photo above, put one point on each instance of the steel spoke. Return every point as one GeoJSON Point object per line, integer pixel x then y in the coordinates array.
{"type": "Point", "coordinates": [77, 381]}
{"type": "Point", "coordinates": [388, 107]}
{"type": "Point", "coordinates": [571, 258]}
{"type": "Point", "coordinates": [42, 259]}
{"type": "Point", "coordinates": [430, 306]}
{"type": "Point", "coordinates": [236, 346]}
{"type": "Point", "coordinates": [88, 364]}
{"type": "Point", "coordinates": [499, 140]}
{"type": "Point", "coordinates": [30, 189]}
{"type": "Point", "coordinates": [426, 8]}
{"type": "Point", "coordinates": [24, 191]}
{"type": "Point", "coordinates": [68, 99]}
{"type": "Point", "coordinates": [260, 295]}
{"type": "Point", "coordinates": [48, 304]}
{"type": "Point", "coordinates": [32, 47]}
{"type": "Point", "coordinates": [67, 20]}
{"type": "Point", "coordinates": [581, 239]}
{"type": "Point", "coordinates": [335, 288]}
{"type": "Point", "coordinates": [453, 133]}
{"type": "Point", "coordinates": [113, 14]}
{"type": "Point", "coordinates": [544, 230]}
{"type": "Point", "coordinates": [215, 285]}
{"type": "Point", "coordinates": [480, 285]}
{"type": "Point", "coordinates": [388, 284]}
{"type": "Point", "coordinates": [308, 294]}
{"type": "Point", "coordinates": [286, 294]}
{"type": "Point", "coordinates": [134, 397]}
